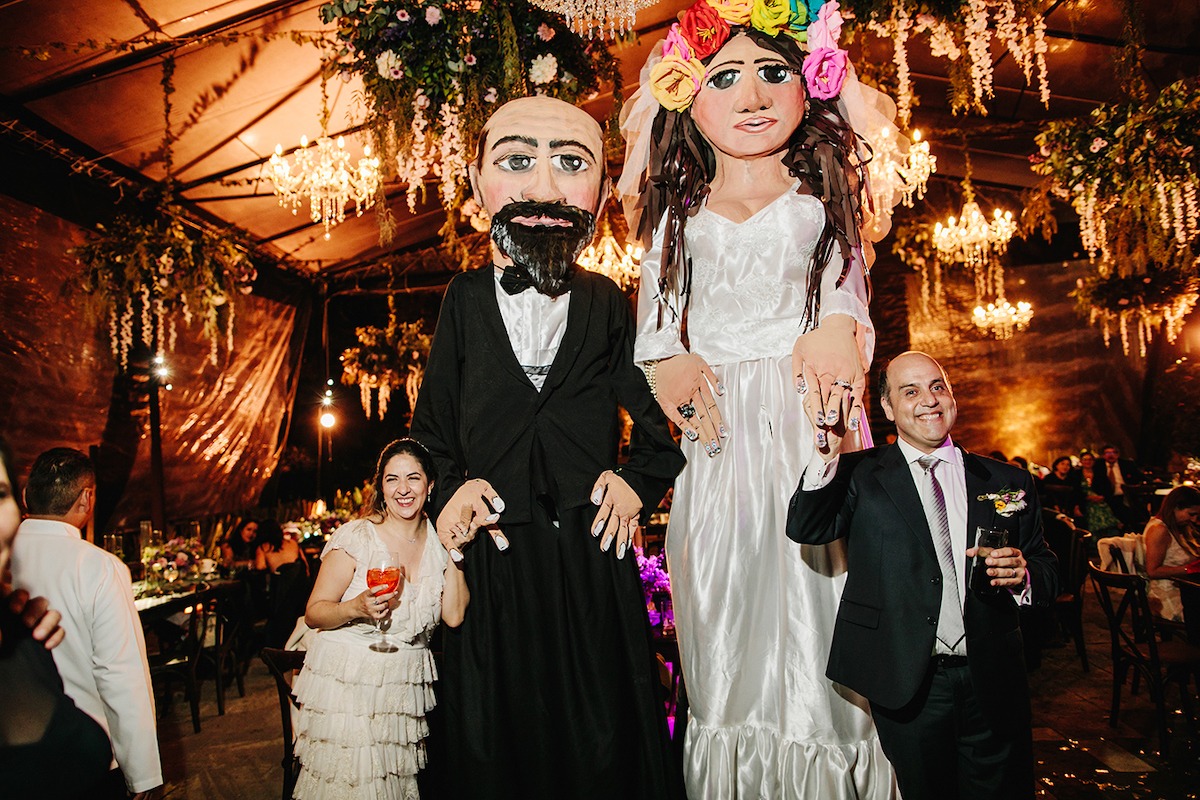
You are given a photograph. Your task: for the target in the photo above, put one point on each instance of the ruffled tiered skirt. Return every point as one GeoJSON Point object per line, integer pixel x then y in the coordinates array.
{"type": "Point", "coordinates": [361, 726]}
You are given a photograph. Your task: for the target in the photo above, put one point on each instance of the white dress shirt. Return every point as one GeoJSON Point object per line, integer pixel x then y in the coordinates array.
{"type": "Point", "coordinates": [535, 324]}
{"type": "Point", "coordinates": [102, 660]}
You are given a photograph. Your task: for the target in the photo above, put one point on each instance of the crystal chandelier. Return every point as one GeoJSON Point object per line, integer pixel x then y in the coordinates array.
{"type": "Point", "coordinates": [609, 257]}
{"type": "Point", "coordinates": [972, 239]}
{"type": "Point", "coordinates": [894, 174]}
{"type": "Point", "coordinates": [1001, 318]}
{"type": "Point", "coordinates": [596, 17]}
{"type": "Point", "coordinates": [325, 176]}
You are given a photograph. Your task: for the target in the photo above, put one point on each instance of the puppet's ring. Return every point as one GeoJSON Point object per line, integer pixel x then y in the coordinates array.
{"type": "Point", "coordinates": [843, 383]}
{"type": "Point", "coordinates": [687, 411]}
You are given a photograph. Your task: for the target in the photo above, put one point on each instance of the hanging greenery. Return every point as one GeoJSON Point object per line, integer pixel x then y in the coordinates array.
{"type": "Point", "coordinates": [433, 72]}
{"type": "Point", "coordinates": [962, 32]}
{"type": "Point", "coordinates": [1157, 299]}
{"type": "Point", "coordinates": [1130, 171]}
{"type": "Point", "coordinates": [143, 273]}
{"type": "Point", "coordinates": [386, 360]}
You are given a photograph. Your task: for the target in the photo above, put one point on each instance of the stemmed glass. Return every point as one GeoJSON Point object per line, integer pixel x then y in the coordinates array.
{"type": "Point", "coordinates": [384, 570]}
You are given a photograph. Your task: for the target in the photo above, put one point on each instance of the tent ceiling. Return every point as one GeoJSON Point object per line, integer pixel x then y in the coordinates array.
{"type": "Point", "coordinates": [234, 102]}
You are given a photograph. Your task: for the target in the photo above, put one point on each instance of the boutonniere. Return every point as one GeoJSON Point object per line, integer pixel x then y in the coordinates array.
{"type": "Point", "coordinates": [1006, 501]}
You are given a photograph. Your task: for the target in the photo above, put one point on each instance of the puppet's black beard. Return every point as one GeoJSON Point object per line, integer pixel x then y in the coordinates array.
{"type": "Point", "coordinates": [547, 252]}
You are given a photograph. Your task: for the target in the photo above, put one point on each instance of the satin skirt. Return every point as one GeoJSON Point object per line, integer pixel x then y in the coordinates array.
{"type": "Point", "coordinates": [755, 613]}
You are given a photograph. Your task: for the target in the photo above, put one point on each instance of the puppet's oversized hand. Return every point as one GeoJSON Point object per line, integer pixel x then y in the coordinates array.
{"type": "Point", "coordinates": [618, 514]}
{"type": "Point", "coordinates": [475, 503]}
{"type": "Point", "coordinates": [686, 385]}
{"type": "Point", "coordinates": [828, 357]}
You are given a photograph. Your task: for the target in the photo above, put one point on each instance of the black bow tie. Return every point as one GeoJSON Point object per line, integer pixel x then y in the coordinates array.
{"type": "Point", "coordinates": [515, 279]}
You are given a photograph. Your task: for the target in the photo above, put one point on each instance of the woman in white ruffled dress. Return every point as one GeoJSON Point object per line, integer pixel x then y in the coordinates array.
{"type": "Point", "coordinates": [361, 726]}
{"type": "Point", "coordinates": [755, 270]}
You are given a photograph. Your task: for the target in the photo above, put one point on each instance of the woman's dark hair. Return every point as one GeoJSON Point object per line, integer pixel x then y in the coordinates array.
{"type": "Point", "coordinates": [10, 467]}
{"type": "Point", "coordinates": [373, 505]}
{"type": "Point", "coordinates": [823, 153]}
{"type": "Point", "coordinates": [241, 548]}
{"type": "Point", "coordinates": [270, 533]}
{"type": "Point", "coordinates": [1059, 460]}
{"type": "Point", "coordinates": [1181, 497]}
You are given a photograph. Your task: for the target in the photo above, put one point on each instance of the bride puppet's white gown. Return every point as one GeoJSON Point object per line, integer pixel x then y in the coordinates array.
{"type": "Point", "coordinates": [754, 610]}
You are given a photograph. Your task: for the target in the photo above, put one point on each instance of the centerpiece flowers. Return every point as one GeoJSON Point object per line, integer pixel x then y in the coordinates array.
{"type": "Point", "coordinates": [656, 585]}
{"type": "Point", "coordinates": [433, 70]}
{"type": "Point", "coordinates": [171, 559]}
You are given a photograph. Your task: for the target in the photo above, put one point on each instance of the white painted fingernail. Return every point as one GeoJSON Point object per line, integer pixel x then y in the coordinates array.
{"type": "Point", "coordinates": [831, 416]}
{"type": "Point", "coordinates": [598, 495]}
{"type": "Point", "coordinates": [490, 518]}
{"type": "Point", "coordinates": [821, 440]}
{"type": "Point", "coordinates": [820, 417]}
{"type": "Point", "coordinates": [456, 556]}
{"type": "Point", "coordinates": [854, 423]}
{"type": "Point", "coordinates": [501, 542]}
{"type": "Point", "coordinates": [599, 526]}
{"type": "Point", "coordinates": [691, 434]}
{"type": "Point", "coordinates": [497, 503]}
{"type": "Point", "coordinates": [607, 543]}
{"type": "Point", "coordinates": [720, 388]}
{"type": "Point", "coordinates": [621, 550]}
{"type": "Point", "coordinates": [801, 385]}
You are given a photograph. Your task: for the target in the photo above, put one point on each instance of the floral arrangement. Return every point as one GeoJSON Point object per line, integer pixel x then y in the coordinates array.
{"type": "Point", "coordinates": [656, 585]}
{"type": "Point", "coordinates": [178, 553]}
{"type": "Point", "coordinates": [705, 27]}
{"type": "Point", "coordinates": [1130, 171]}
{"type": "Point", "coordinates": [143, 275]}
{"type": "Point", "coordinates": [1159, 298]}
{"type": "Point", "coordinates": [960, 31]}
{"type": "Point", "coordinates": [1006, 501]}
{"type": "Point", "coordinates": [432, 71]}
{"type": "Point", "coordinates": [386, 360]}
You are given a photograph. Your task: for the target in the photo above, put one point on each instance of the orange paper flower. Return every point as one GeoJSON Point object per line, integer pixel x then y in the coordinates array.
{"type": "Point", "coordinates": [674, 81]}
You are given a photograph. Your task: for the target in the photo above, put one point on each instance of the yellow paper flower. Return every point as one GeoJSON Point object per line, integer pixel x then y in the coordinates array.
{"type": "Point", "coordinates": [735, 12]}
{"type": "Point", "coordinates": [674, 81]}
{"type": "Point", "coordinates": [769, 16]}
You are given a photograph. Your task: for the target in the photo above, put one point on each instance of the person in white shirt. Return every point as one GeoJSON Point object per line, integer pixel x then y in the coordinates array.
{"type": "Point", "coordinates": [103, 658]}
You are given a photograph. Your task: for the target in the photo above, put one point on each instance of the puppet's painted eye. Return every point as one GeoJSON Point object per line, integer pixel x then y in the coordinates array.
{"type": "Point", "coordinates": [723, 79]}
{"type": "Point", "coordinates": [776, 73]}
{"type": "Point", "coordinates": [568, 162]}
{"type": "Point", "coordinates": [515, 162]}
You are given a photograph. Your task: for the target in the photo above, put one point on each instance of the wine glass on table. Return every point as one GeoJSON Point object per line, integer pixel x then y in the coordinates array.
{"type": "Point", "coordinates": [384, 576]}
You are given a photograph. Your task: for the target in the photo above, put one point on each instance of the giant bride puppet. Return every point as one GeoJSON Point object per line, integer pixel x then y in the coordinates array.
{"type": "Point", "coordinates": [745, 176]}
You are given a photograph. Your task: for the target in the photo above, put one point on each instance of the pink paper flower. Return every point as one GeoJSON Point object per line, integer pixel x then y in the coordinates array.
{"type": "Point", "coordinates": [676, 44]}
{"type": "Point", "coordinates": [470, 60]}
{"type": "Point", "coordinates": [824, 72]}
{"type": "Point", "coordinates": [825, 32]}
{"type": "Point", "coordinates": [545, 32]}
{"type": "Point", "coordinates": [402, 15]}
{"type": "Point", "coordinates": [433, 15]}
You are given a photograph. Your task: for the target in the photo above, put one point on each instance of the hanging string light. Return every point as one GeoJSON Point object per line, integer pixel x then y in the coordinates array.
{"type": "Point", "coordinates": [324, 176]}
{"type": "Point", "coordinates": [971, 238]}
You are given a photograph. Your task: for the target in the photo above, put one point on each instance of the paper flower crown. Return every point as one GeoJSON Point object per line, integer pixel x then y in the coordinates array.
{"type": "Point", "coordinates": [705, 28]}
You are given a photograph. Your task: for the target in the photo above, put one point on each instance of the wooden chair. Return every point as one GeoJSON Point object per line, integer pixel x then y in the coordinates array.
{"type": "Point", "coordinates": [1136, 646]}
{"type": "Point", "coordinates": [180, 659]}
{"type": "Point", "coordinates": [1068, 606]}
{"type": "Point", "coordinates": [221, 651]}
{"type": "Point", "coordinates": [282, 663]}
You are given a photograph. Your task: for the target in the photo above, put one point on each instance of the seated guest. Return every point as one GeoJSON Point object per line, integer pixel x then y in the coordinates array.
{"type": "Point", "coordinates": [1098, 516]}
{"type": "Point", "coordinates": [1061, 489]}
{"type": "Point", "coordinates": [1119, 472]}
{"type": "Point", "coordinates": [355, 739]}
{"type": "Point", "coordinates": [274, 549]}
{"type": "Point", "coordinates": [1172, 549]}
{"type": "Point", "coordinates": [238, 549]}
{"type": "Point", "coordinates": [102, 660]}
{"type": "Point", "coordinates": [48, 747]}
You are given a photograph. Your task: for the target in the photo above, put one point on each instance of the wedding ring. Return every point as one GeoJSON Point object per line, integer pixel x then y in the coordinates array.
{"type": "Point", "coordinates": [687, 411]}
{"type": "Point", "coordinates": [843, 383]}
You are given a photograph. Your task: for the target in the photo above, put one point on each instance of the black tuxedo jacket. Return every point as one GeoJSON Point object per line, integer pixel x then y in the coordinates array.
{"type": "Point", "coordinates": [480, 416]}
{"type": "Point", "coordinates": [887, 621]}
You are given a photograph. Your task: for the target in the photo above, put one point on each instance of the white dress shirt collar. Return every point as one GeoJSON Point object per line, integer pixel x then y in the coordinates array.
{"type": "Point", "coordinates": [945, 452]}
{"type": "Point", "coordinates": [49, 527]}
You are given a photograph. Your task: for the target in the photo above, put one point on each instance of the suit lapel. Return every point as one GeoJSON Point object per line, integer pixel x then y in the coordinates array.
{"type": "Point", "coordinates": [578, 314]}
{"type": "Point", "coordinates": [895, 476]}
{"type": "Point", "coordinates": [980, 514]}
{"type": "Point", "coordinates": [487, 311]}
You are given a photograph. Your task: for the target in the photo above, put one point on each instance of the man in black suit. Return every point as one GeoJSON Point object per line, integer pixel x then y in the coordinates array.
{"type": "Point", "coordinates": [941, 663]}
{"type": "Point", "coordinates": [550, 686]}
{"type": "Point", "coordinates": [1117, 473]}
